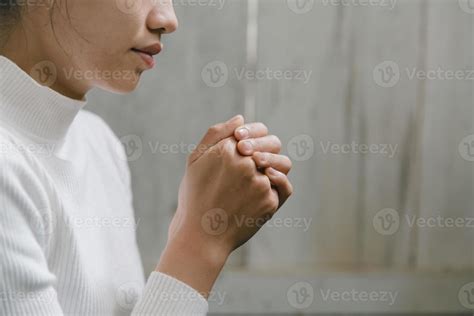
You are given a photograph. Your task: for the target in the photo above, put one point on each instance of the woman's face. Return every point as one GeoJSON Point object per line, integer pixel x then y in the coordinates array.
{"type": "Point", "coordinates": [97, 43]}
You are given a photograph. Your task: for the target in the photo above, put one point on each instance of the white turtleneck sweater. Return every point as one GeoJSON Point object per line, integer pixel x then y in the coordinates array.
{"type": "Point", "coordinates": [67, 228]}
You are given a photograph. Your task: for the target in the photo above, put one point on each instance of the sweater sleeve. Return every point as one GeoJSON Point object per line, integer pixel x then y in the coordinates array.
{"type": "Point", "coordinates": [163, 294]}
{"type": "Point", "coordinates": [27, 286]}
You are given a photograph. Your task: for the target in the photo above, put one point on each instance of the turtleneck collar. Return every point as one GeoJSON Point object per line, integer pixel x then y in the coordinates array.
{"type": "Point", "coordinates": [32, 108]}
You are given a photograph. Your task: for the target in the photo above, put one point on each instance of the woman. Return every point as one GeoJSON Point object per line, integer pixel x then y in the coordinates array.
{"type": "Point", "coordinates": [67, 240]}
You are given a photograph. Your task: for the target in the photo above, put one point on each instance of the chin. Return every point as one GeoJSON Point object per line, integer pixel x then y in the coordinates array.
{"type": "Point", "coordinates": [122, 86]}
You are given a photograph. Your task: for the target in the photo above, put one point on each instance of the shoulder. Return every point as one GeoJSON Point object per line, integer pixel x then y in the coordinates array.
{"type": "Point", "coordinates": [24, 189]}
{"type": "Point", "coordinates": [95, 124]}
{"type": "Point", "coordinates": [103, 140]}
{"type": "Point", "coordinates": [18, 166]}
{"type": "Point", "coordinates": [99, 133]}
{"type": "Point", "coordinates": [15, 156]}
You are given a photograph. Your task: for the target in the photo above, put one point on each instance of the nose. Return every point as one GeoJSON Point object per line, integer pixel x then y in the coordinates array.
{"type": "Point", "coordinates": [163, 18]}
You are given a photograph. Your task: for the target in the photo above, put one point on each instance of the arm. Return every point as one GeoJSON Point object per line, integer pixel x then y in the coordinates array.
{"type": "Point", "coordinates": [221, 176]}
{"type": "Point", "coordinates": [26, 284]}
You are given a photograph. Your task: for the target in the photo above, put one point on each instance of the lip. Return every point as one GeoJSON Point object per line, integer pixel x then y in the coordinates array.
{"type": "Point", "coordinates": [147, 53]}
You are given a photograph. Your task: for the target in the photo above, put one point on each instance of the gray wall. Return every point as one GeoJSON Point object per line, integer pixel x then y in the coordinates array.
{"type": "Point", "coordinates": [343, 48]}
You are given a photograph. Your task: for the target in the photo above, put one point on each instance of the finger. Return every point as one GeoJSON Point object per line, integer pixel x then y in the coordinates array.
{"type": "Point", "coordinates": [281, 182]}
{"type": "Point", "coordinates": [278, 162]}
{"type": "Point", "coordinates": [270, 144]}
{"type": "Point", "coordinates": [252, 130]}
{"type": "Point", "coordinates": [214, 135]}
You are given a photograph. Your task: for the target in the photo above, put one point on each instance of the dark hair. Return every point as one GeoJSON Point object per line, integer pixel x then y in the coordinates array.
{"type": "Point", "coordinates": [9, 8]}
{"type": "Point", "coordinates": [9, 14]}
{"type": "Point", "coordinates": [10, 11]}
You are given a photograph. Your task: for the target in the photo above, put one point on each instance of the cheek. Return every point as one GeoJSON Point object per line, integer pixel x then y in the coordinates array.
{"type": "Point", "coordinates": [114, 71]}
{"type": "Point", "coordinates": [98, 37]}
{"type": "Point", "coordinates": [109, 49]}
{"type": "Point", "coordinates": [118, 72]}
{"type": "Point", "coordinates": [102, 28]}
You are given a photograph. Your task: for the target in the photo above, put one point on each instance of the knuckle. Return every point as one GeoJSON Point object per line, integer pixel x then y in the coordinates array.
{"type": "Point", "coordinates": [242, 143]}
{"type": "Point", "coordinates": [215, 153]}
{"type": "Point", "coordinates": [274, 205]}
{"type": "Point", "coordinates": [290, 189]}
{"type": "Point", "coordinates": [288, 162]}
{"type": "Point", "coordinates": [263, 127]}
{"type": "Point", "coordinates": [247, 167]}
{"type": "Point", "coordinates": [226, 148]}
{"type": "Point", "coordinates": [214, 129]}
{"type": "Point", "coordinates": [277, 141]}
{"type": "Point", "coordinates": [271, 203]}
{"type": "Point", "coordinates": [189, 159]}
{"type": "Point", "coordinates": [262, 184]}
{"type": "Point", "coordinates": [229, 143]}
{"type": "Point", "coordinates": [267, 159]}
{"type": "Point", "coordinates": [267, 216]}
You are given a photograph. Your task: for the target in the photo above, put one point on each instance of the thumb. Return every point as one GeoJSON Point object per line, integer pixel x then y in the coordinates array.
{"type": "Point", "coordinates": [214, 135]}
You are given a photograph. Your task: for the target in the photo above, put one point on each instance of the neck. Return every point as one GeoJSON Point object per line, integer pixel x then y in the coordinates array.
{"type": "Point", "coordinates": [35, 111]}
{"type": "Point", "coordinates": [24, 51]}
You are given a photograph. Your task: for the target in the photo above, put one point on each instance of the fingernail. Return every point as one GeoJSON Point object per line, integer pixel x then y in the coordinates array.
{"type": "Point", "coordinates": [243, 133]}
{"type": "Point", "coordinates": [247, 147]}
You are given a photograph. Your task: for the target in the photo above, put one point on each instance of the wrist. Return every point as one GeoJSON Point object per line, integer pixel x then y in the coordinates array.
{"type": "Point", "coordinates": [194, 261]}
